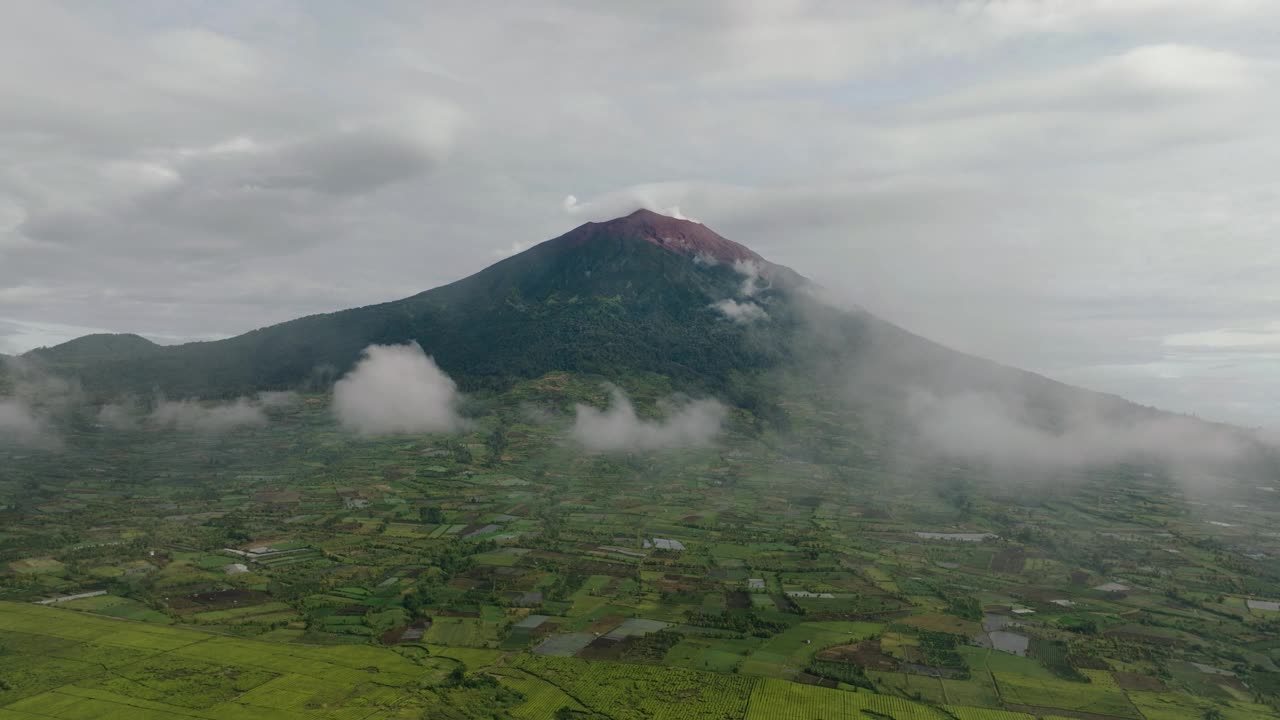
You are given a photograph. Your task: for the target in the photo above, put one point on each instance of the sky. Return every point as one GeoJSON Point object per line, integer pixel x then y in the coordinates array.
{"type": "Point", "coordinates": [1083, 188]}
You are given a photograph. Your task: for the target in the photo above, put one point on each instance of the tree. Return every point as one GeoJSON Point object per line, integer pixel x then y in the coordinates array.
{"type": "Point", "coordinates": [496, 442]}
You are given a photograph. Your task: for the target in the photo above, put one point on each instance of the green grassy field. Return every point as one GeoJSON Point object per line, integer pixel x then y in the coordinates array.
{"type": "Point", "coordinates": [72, 665]}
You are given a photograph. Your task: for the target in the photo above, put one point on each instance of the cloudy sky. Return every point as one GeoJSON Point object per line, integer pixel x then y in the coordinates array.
{"type": "Point", "coordinates": [1085, 188]}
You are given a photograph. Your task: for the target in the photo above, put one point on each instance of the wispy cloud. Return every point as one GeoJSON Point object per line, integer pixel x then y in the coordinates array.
{"type": "Point", "coordinates": [740, 312]}
{"type": "Point", "coordinates": [685, 423]}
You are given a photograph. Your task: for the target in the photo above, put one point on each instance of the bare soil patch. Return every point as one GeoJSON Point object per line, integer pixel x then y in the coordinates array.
{"type": "Point", "coordinates": [1134, 681]}
{"type": "Point", "coordinates": [867, 654]}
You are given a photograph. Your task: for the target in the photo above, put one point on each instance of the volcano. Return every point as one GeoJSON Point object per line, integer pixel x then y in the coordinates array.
{"type": "Point", "coordinates": [640, 297]}
{"type": "Point", "coordinates": [640, 294]}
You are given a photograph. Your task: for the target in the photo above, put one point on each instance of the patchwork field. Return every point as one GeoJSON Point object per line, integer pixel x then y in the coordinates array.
{"type": "Point", "coordinates": [298, 571]}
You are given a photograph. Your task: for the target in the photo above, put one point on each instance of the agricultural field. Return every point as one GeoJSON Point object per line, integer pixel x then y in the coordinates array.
{"type": "Point", "coordinates": [294, 570]}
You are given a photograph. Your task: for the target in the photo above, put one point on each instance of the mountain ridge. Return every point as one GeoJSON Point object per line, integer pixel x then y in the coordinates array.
{"type": "Point", "coordinates": [633, 294]}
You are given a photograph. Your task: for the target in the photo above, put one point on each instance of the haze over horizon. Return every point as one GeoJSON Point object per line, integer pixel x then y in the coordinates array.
{"type": "Point", "coordinates": [1077, 188]}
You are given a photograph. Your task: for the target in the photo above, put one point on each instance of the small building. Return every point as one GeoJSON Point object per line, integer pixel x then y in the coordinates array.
{"type": "Point", "coordinates": [754, 584]}
{"type": "Point", "coordinates": [236, 569]}
{"type": "Point", "coordinates": [664, 544]}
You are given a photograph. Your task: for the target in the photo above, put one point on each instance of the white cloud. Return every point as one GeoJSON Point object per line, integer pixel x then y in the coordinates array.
{"type": "Point", "coordinates": [1138, 80]}
{"type": "Point", "coordinates": [740, 312]}
{"type": "Point", "coordinates": [396, 389]}
{"type": "Point", "coordinates": [804, 42]}
{"type": "Point", "coordinates": [120, 415]}
{"type": "Point", "coordinates": [751, 280]}
{"type": "Point", "coordinates": [985, 428]}
{"type": "Point", "coordinates": [36, 405]}
{"type": "Point", "coordinates": [655, 197]}
{"type": "Point", "coordinates": [618, 428]}
{"type": "Point", "coordinates": [20, 425]}
{"type": "Point", "coordinates": [1016, 17]}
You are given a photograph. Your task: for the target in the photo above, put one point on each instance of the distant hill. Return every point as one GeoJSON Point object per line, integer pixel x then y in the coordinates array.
{"type": "Point", "coordinates": [97, 348]}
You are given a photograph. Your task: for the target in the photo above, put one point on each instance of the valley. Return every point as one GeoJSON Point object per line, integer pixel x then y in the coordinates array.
{"type": "Point", "coordinates": [298, 568]}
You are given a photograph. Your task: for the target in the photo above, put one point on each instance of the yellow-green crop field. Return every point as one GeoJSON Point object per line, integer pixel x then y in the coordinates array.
{"type": "Point", "coordinates": [68, 665]}
{"type": "Point", "coordinates": [63, 664]}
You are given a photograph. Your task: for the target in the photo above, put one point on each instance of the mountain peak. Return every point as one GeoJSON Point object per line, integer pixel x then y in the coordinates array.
{"type": "Point", "coordinates": [680, 236]}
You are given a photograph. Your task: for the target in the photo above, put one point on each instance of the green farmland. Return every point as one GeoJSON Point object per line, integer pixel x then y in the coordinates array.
{"type": "Point", "coordinates": [298, 571]}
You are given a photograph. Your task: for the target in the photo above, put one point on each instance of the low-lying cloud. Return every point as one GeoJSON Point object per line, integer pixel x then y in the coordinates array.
{"type": "Point", "coordinates": [278, 399]}
{"type": "Point", "coordinates": [195, 416]}
{"type": "Point", "coordinates": [19, 425]}
{"type": "Point", "coordinates": [33, 404]}
{"type": "Point", "coordinates": [740, 312]}
{"type": "Point", "coordinates": [124, 415]}
{"type": "Point", "coordinates": [397, 389]}
{"type": "Point", "coordinates": [618, 429]}
{"type": "Point", "coordinates": [751, 281]}
{"type": "Point", "coordinates": [983, 428]}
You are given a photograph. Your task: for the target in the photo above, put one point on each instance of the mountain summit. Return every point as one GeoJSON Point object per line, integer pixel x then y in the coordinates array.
{"type": "Point", "coordinates": [681, 236]}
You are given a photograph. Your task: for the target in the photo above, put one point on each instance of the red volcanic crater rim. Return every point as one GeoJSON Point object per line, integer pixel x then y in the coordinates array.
{"type": "Point", "coordinates": [683, 237]}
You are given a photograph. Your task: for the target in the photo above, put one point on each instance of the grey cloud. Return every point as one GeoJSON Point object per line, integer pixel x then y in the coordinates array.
{"type": "Point", "coordinates": [350, 161]}
{"type": "Point", "coordinates": [619, 429]}
{"type": "Point", "coordinates": [397, 389]}
{"type": "Point", "coordinates": [1009, 177]}
{"type": "Point", "coordinates": [348, 164]}
{"type": "Point", "coordinates": [213, 200]}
